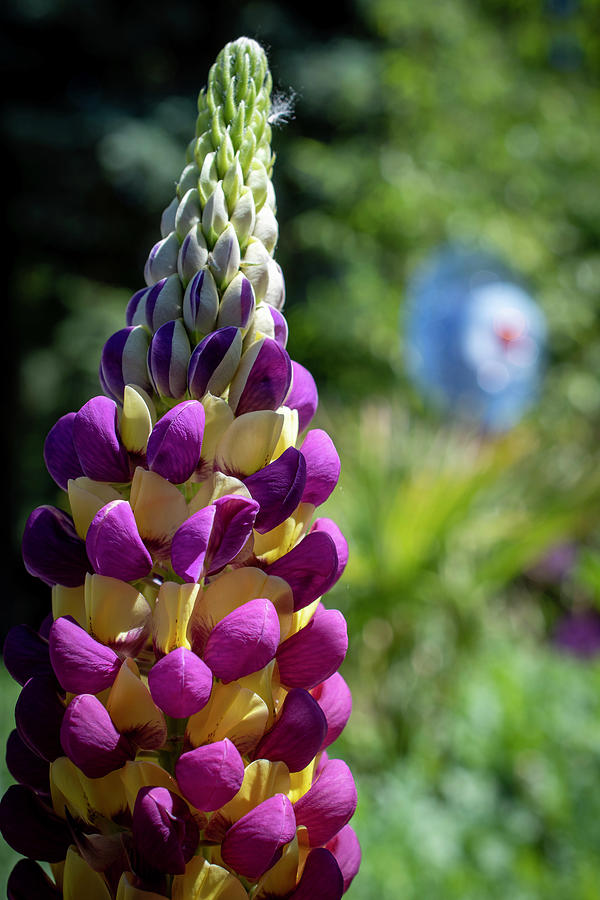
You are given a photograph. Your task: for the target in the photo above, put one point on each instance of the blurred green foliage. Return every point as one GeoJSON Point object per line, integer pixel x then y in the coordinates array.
{"type": "Point", "coordinates": [474, 741]}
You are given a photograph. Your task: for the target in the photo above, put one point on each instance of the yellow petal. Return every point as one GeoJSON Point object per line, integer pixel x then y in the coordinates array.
{"type": "Point", "coordinates": [232, 712]}
{"type": "Point", "coordinates": [174, 606]}
{"type": "Point", "coordinates": [218, 418]}
{"type": "Point", "coordinates": [289, 432]}
{"type": "Point", "coordinates": [89, 799]}
{"type": "Point", "coordinates": [231, 590]}
{"type": "Point", "coordinates": [263, 683]}
{"type": "Point", "coordinates": [144, 773]}
{"type": "Point", "coordinates": [262, 779]}
{"type": "Point", "coordinates": [132, 708]}
{"type": "Point", "coordinates": [68, 601]}
{"type": "Point", "coordinates": [275, 543]}
{"type": "Point", "coordinates": [80, 881]}
{"type": "Point", "coordinates": [301, 618]}
{"type": "Point", "coordinates": [217, 485]}
{"type": "Point", "coordinates": [205, 882]}
{"type": "Point", "coordinates": [300, 782]}
{"type": "Point", "coordinates": [280, 880]}
{"type": "Point", "coordinates": [159, 509]}
{"type": "Point", "coordinates": [249, 442]}
{"type": "Point", "coordinates": [116, 613]}
{"type": "Point", "coordinates": [137, 418]}
{"type": "Point", "coordinates": [126, 891]}
{"type": "Point", "coordinates": [86, 497]}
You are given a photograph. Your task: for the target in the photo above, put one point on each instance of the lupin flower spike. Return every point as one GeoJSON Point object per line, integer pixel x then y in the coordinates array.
{"type": "Point", "coordinates": [172, 727]}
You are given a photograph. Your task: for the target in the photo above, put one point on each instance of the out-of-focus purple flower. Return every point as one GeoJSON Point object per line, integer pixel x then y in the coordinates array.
{"type": "Point", "coordinates": [579, 633]}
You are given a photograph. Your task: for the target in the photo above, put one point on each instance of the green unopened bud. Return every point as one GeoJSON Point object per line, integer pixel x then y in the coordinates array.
{"type": "Point", "coordinates": [238, 123]}
{"type": "Point", "coordinates": [188, 213]}
{"type": "Point", "coordinates": [225, 154]}
{"type": "Point", "coordinates": [189, 179]}
{"type": "Point", "coordinates": [243, 217]}
{"type": "Point", "coordinates": [215, 216]}
{"type": "Point", "coordinates": [247, 149]}
{"type": "Point", "coordinates": [224, 261]}
{"type": "Point", "coordinates": [209, 177]}
{"type": "Point", "coordinates": [233, 182]}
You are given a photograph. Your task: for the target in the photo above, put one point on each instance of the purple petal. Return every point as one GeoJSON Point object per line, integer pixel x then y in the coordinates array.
{"type": "Point", "coordinates": [321, 878]}
{"type": "Point", "coordinates": [278, 488]}
{"type": "Point", "coordinates": [190, 543]}
{"type": "Point", "coordinates": [164, 831]}
{"type": "Point", "coordinates": [297, 734]}
{"type": "Point", "coordinates": [280, 328]}
{"type": "Point", "coordinates": [266, 382]}
{"type": "Point", "coordinates": [60, 454]}
{"type": "Point", "coordinates": [114, 545]}
{"type": "Point", "coordinates": [303, 395]}
{"type": "Point", "coordinates": [329, 804]}
{"type": "Point", "coordinates": [253, 843]}
{"type": "Point", "coordinates": [96, 436]}
{"type": "Point", "coordinates": [334, 697]}
{"type": "Point", "coordinates": [175, 442]}
{"type": "Point", "coordinates": [329, 527]}
{"type": "Point", "coordinates": [123, 361]}
{"type": "Point", "coordinates": [322, 466]}
{"type": "Point", "coordinates": [90, 739]}
{"type": "Point", "coordinates": [243, 641]}
{"type": "Point", "coordinates": [233, 523]}
{"type": "Point", "coordinates": [52, 549]}
{"type": "Point", "coordinates": [346, 849]}
{"type": "Point", "coordinates": [315, 652]}
{"type": "Point", "coordinates": [38, 715]}
{"type": "Point", "coordinates": [26, 766]}
{"type": "Point", "coordinates": [168, 359]}
{"type": "Point", "coordinates": [25, 654]}
{"type": "Point", "coordinates": [82, 665]}
{"type": "Point", "coordinates": [309, 568]}
{"type": "Point", "coordinates": [32, 828]}
{"type": "Point", "coordinates": [211, 775]}
{"type": "Point", "coordinates": [214, 361]}
{"type": "Point", "coordinates": [28, 880]}
{"type": "Point", "coordinates": [180, 683]}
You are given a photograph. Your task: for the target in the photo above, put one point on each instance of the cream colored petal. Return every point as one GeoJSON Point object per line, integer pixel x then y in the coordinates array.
{"type": "Point", "coordinates": [86, 497]}
{"type": "Point", "coordinates": [218, 418]}
{"type": "Point", "coordinates": [300, 782]}
{"type": "Point", "coordinates": [281, 879]}
{"type": "Point", "coordinates": [144, 773]}
{"type": "Point", "coordinates": [262, 779]}
{"type": "Point", "coordinates": [80, 881]}
{"type": "Point", "coordinates": [249, 442]}
{"type": "Point", "coordinates": [116, 614]}
{"type": "Point", "coordinates": [159, 509]}
{"type": "Point", "coordinates": [215, 486]}
{"type": "Point", "coordinates": [68, 601]}
{"type": "Point", "coordinates": [133, 710]}
{"type": "Point", "coordinates": [89, 799]}
{"type": "Point", "coordinates": [173, 609]}
{"type": "Point", "coordinates": [126, 891]}
{"type": "Point", "coordinates": [277, 542]}
{"type": "Point", "coordinates": [137, 418]}
{"type": "Point", "coordinates": [289, 432]}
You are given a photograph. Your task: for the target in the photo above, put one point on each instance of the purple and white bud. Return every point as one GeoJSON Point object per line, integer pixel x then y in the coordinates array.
{"type": "Point", "coordinates": [211, 775]}
{"type": "Point", "coordinates": [81, 664]}
{"type": "Point", "coordinates": [135, 314]}
{"type": "Point", "coordinates": [60, 454]}
{"type": "Point", "coordinates": [329, 803]}
{"type": "Point", "coordinates": [303, 395]}
{"type": "Point", "coordinates": [167, 220]}
{"type": "Point", "coordinates": [315, 652]}
{"type": "Point", "coordinates": [215, 216]}
{"type": "Point", "coordinates": [90, 739]}
{"type": "Point", "coordinates": [163, 302]}
{"type": "Point", "coordinates": [165, 833]}
{"type": "Point", "coordinates": [180, 683]}
{"type": "Point", "coordinates": [244, 641]}
{"type": "Point", "coordinates": [297, 734]}
{"type": "Point", "coordinates": [168, 359]}
{"type": "Point", "coordinates": [162, 260]}
{"type": "Point", "coordinates": [97, 442]}
{"type": "Point", "coordinates": [201, 303]}
{"type": "Point", "coordinates": [214, 361]}
{"type": "Point", "coordinates": [254, 842]}
{"type": "Point", "coordinates": [237, 305]}
{"type": "Point", "coordinates": [262, 379]}
{"type": "Point", "coordinates": [193, 254]}
{"type": "Point", "coordinates": [123, 360]}
{"type": "Point", "coordinates": [224, 261]}
{"type": "Point", "coordinates": [113, 543]}
{"type": "Point", "coordinates": [52, 549]}
{"type": "Point", "coordinates": [175, 442]}
{"type": "Point", "coordinates": [278, 489]}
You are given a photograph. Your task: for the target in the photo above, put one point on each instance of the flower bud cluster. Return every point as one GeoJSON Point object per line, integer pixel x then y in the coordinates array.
{"type": "Point", "coordinates": [177, 707]}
